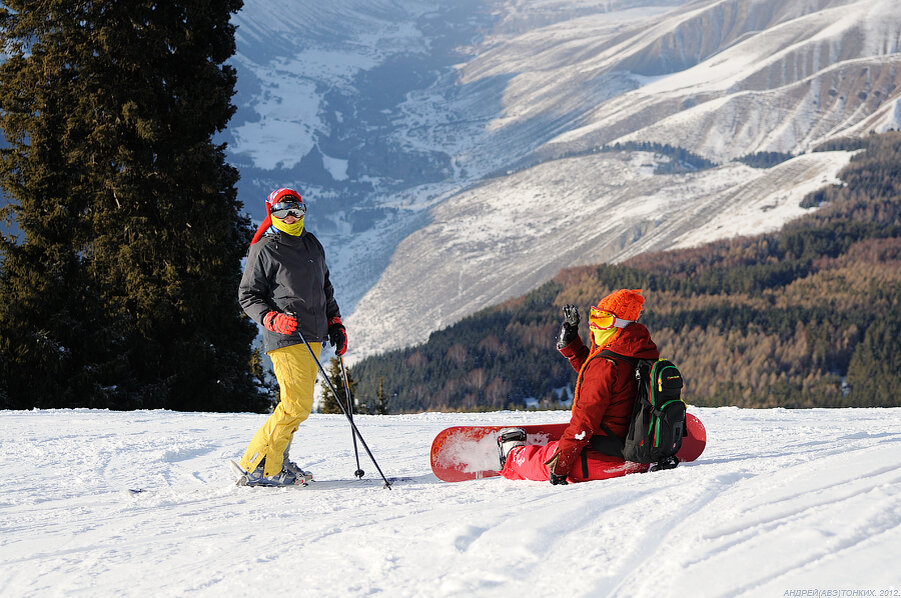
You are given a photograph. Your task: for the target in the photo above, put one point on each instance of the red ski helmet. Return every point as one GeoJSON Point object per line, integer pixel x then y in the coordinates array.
{"type": "Point", "coordinates": [279, 195]}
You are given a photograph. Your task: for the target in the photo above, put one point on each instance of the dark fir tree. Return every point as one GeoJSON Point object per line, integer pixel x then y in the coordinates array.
{"type": "Point", "coordinates": [381, 401]}
{"type": "Point", "coordinates": [120, 290]}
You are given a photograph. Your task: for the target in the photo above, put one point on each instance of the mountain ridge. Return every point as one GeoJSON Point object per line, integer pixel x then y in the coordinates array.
{"type": "Point", "coordinates": [804, 317]}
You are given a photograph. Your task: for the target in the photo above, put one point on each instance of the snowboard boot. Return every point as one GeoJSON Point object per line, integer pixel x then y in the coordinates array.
{"type": "Point", "coordinates": [507, 440]}
{"type": "Point", "coordinates": [666, 463]}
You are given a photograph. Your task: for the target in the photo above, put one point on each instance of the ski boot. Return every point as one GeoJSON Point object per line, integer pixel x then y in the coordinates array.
{"type": "Point", "coordinates": [287, 464]}
{"type": "Point", "coordinates": [507, 440]}
{"type": "Point", "coordinates": [302, 476]}
{"type": "Point", "coordinates": [257, 477]}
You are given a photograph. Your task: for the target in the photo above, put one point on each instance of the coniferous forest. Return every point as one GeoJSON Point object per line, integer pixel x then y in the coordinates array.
{"type": "Point", "coordinates": [118, 290]}
{"type": "Point", "coordinates": [809, 316]}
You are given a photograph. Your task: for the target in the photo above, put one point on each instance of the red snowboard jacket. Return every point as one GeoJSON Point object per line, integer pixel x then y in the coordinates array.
{"type": "Point", "coordinates": [605, 391]}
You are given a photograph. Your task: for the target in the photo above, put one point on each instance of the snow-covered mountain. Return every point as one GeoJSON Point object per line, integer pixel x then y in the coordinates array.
{"type": "Point", "coordinates": [781, 501]}
{"type": "Point", "coordinates": [449, 151]}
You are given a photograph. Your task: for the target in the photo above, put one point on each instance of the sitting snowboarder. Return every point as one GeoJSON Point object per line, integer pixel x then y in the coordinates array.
{"type": "Point", "coordinates": [602, 405]}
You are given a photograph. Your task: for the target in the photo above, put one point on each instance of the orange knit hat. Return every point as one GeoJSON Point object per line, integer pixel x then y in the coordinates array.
{"type": "Point", "coordinates": [623, 303]}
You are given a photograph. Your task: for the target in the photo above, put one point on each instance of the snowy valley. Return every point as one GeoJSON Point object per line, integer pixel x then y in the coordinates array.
{"type": "Point", "coordinates": [450, 153]}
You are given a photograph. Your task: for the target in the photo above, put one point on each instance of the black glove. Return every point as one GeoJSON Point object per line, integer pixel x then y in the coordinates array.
{"type": "Point", "coordinates": [569, 330]}
{"type": "Point", "coordinates": [555, 479]}
{"type": "Point", "coordinates": [552, 477]}
{"type": "Point", "coordinates": [337, 335]}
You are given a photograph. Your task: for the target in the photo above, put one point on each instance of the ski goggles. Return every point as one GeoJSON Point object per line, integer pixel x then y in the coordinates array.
{"type": "Point", "coordinates": [288, 208]}
{"type": "Point", "coordinates": [601, 319]}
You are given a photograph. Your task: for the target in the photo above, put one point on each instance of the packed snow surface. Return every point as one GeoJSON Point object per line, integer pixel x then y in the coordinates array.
{"type": "Point", "coordinates": [781, 501]}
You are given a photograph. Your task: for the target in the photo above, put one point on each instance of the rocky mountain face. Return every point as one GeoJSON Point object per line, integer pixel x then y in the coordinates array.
{"type": "Point", "coordinates": [455, 156]}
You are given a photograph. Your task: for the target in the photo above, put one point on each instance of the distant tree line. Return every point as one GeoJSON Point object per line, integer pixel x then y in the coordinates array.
{"type": "Point", "coordinates": [681, 159]}
{"type": "Point", "coordinates": [376, 404]}
{"type": "Point", "coordinates": [809, 316]}
{"type": "Point", "coordinates": [764, 159]}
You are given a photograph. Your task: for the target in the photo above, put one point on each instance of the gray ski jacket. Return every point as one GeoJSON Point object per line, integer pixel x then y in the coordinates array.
{"type": "Point", "coordinates": [288, 274]}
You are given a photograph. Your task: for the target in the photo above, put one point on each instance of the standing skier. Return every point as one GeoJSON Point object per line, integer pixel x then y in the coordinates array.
{"type": "Point", "coordinates": [604, 396]}
{"type": "Point", "coordinates": [286, 286]}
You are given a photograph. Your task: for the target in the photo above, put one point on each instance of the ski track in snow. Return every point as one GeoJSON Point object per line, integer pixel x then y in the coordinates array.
{"type": "Point", "coordinates": [780, 500]}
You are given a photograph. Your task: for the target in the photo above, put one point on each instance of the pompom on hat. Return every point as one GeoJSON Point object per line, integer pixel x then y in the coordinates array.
{"type": "Point", "coordinates": [624, 303]}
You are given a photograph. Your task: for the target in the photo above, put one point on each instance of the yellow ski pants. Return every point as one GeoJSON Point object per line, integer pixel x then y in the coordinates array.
{"type": "Point", "coordinates": [296, 372]}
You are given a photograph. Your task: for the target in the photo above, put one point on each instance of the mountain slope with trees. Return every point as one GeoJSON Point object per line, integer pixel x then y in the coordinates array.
{"type": "Point", "coordinates": [809, 316]}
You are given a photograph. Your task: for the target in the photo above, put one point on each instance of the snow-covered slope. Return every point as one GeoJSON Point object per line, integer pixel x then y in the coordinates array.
{"type": "Point", "coordinates": [780, 501]}
{"type": "Point", "coordinates": [426, 132]}
{"type": "Point", "coordinates": [512, 234]}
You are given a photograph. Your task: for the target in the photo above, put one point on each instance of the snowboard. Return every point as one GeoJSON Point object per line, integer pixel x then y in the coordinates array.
{"type": "Point", "coordinates": [470, 452]}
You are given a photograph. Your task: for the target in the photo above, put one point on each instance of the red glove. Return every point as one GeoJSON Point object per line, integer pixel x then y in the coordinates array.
{"type": "Point", "coordinates": [280, 323]}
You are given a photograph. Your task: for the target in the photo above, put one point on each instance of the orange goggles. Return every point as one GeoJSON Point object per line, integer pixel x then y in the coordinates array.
{"type": "Point", "coordinates": [600, 319]}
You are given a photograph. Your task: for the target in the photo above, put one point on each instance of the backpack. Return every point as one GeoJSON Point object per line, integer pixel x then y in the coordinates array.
{"type": "Point", "coordinates": [657, 425]}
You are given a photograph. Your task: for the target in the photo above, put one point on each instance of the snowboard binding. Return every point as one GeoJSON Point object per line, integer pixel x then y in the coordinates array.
{"type": "Point", "coordinates": [507, 440]}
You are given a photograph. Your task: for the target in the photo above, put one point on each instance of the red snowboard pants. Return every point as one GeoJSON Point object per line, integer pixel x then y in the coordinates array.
{"type": "Point", "coordinates": [528, 463]}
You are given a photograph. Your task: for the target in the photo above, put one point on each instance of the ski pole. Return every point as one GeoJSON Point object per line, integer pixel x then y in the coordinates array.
{"type": "Point", "coordinates": [349, 418]}
{"type": "Point", "coordinates": [350, 415]}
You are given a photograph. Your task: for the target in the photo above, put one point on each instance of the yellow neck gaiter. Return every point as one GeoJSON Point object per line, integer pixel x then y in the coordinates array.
{"type": "Point", "coordinates": [604, 337]}
{"type": "Point", "coordinates": [291, 229]}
